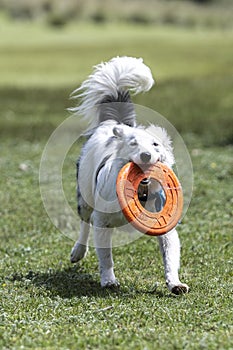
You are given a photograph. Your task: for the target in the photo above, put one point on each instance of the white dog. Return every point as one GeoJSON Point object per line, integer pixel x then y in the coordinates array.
{"type": "Point", "coordinates": [113, 139]}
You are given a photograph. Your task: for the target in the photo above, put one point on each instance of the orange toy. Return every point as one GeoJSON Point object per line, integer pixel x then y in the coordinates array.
{"type": "Point", "coordinates": [151, 223]}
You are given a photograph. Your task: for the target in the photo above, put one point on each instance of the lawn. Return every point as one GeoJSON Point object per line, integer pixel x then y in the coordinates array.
{"type": "Point", "coordinates": [46, 303]}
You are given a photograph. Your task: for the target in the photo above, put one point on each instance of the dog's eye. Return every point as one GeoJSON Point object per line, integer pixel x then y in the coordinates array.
{"type": "Point", "coordinates": [155, 144]}
{"type": "Point", "coordinates": [133, 142]}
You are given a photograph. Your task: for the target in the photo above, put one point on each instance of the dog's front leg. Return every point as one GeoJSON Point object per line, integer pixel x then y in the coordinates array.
{"type": "Point", "coordinates": [103, 244]}
{"type": "Point", "coordinates": [170, 249]}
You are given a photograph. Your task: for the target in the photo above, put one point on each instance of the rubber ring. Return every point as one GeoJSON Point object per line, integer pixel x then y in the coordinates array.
{"type": "Point", "coordinates": [150, 223]}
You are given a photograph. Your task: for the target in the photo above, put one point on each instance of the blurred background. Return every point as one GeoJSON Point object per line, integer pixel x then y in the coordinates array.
{"type": "Point", "coordinates": [211, 13]}
{"type": "Point", "coordinates": [48, 47]}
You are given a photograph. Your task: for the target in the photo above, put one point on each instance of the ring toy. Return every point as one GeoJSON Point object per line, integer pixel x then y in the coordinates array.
{"type": "Point", "coordinates": [150, 223]}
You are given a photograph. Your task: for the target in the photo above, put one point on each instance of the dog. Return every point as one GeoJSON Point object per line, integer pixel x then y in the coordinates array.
{"type": "Point", "coordinates": [112, 140]}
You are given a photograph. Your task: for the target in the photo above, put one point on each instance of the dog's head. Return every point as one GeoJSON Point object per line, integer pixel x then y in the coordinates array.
{"type": "Point", "coordinates": [144, 146]}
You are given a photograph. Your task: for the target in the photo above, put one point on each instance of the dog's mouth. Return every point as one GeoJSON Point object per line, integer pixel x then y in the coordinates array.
{"type": "Point", "coordinates": [141, 165]}
{"type": "Point", "coordinates": [144, 165]}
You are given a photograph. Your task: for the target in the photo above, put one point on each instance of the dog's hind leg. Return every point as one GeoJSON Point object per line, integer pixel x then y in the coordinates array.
{"type": "Point", "coordinates": [170, 249]}
{"type": "Point", "coordinates": [80, 248]}
{"type": "Point", "coordinates": [103, 242]}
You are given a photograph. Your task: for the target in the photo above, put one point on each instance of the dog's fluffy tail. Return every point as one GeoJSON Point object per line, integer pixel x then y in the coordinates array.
{"type": "Point", "coordinates": [111, 82]}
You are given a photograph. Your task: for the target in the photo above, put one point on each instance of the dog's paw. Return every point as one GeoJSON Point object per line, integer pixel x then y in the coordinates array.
{"type": "Point", "coordinates": [180, 288]}
{"type": "Point", "coordinates": [78, 252]}
{"type": "Point", "coordinates": [111, 284]}
{"type": "Point", "coordinates": [108, 279]}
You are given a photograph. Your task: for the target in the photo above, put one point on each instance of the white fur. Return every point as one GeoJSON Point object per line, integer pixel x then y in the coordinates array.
{"type": "Point", "coordinates": [119, 74]}
{"type": "Point", "coordinates": [109, 147]}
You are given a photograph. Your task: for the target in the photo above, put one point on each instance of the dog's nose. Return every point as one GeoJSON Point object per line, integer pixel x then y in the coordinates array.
{"type": "Point", "coordinates": [145, 157]}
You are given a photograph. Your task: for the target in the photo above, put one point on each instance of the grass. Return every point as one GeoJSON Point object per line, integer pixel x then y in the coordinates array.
{"type": "Point", "coordinates": [45, 302]}
{"type": "Point", "coordinates": [49, 57]}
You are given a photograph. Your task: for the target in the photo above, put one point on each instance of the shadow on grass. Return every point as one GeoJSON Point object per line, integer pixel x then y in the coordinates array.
{"type": "Point", "coordinates": [70, 282]}
{"type": "Point", "coordinates": [75, 282]}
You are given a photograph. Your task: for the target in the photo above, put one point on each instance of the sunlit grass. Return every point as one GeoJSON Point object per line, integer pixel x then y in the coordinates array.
{"type": "Point", "coordinates": [46, 301]}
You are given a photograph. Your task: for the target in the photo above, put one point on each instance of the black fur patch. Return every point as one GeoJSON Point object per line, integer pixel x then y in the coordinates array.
{"type": "Point", "coordinates": [101, 165]}
{"type": "Point", "coordinates": [120, 109]}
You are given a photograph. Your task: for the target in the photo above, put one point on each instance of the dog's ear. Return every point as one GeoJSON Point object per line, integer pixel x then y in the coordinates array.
{"type": "Point", "coordinates": [118, 131]}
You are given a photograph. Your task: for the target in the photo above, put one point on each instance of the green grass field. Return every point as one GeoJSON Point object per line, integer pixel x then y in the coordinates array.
{"type": "Point", "coordinates": [46, 303]}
